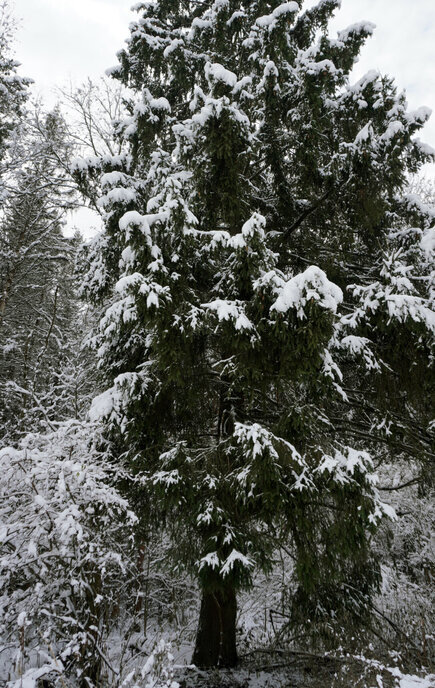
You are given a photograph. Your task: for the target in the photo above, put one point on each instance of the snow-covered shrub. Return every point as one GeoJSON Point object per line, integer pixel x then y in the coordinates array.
{"type": "Point", "coordinates": [157, 672]}
{"type": "Point", "coordinates": [360, 671]}
{"type": "Point", "coordinates": [407, 547]}
{"type": "Point", "coordinates": [65, 550]}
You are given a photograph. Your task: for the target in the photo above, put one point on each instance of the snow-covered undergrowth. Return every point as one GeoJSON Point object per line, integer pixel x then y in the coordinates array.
{"type": "Point", "coordinates": [65, 543]}
{"type": "Point", "coordinates": [83, 599]}
{"type": "Point", "coordinates": [407, 551]}
{"type": "Point", "coordinates": [157, 672]}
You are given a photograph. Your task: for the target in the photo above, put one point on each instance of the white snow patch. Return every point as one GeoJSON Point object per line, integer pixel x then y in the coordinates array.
{"type": "Point", "coordinates": [102, 406]}
{"type": "Point", "coordinates": [427, 242]}
{"type": "Point", "coordinates": [269, 20]}
{"type": "Point", "coordinates": [364, 134]}
{"type": "Point", "coordinates": [357, 28]}
{"type": "Point", "coordinates": [230, 310]}
{"type": "Point", "coordinates": [234, 558]}
{"type": "Point", "coordinates": [392, 130]}
{"type": "Point", "coordinates": [211, 560]}
{"type": "Point", "coordinates": [217, 72]}
{"type": "Point", "coordinates": [311, 285]}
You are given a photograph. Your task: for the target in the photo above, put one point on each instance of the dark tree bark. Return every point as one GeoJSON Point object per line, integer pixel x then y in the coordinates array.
{"type": "Point", "coordinates": [216, 636]}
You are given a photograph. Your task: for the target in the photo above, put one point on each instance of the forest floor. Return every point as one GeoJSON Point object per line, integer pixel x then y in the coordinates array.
{"type": "Point", "coordinates": [302, 670]}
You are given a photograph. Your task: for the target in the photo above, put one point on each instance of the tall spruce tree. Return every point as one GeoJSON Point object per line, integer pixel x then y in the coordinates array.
{"type": "Point", "coordinates": [269, 322]}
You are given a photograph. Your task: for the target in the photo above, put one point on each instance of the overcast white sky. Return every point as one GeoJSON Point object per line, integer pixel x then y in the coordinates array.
{"type": "Point", "coordinates": [62, 40]}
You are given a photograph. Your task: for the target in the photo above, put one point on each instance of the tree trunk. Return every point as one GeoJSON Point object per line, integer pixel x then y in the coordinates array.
{"type": "Point", "coordinates": [216, 636]}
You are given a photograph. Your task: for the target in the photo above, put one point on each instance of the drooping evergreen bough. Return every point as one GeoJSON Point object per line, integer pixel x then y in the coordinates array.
{"type": "Point", "coordinates": [268, 327]}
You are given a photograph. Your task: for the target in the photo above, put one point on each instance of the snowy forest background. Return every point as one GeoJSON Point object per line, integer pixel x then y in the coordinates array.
{"type": "Point", "coordinates": [220, 408]}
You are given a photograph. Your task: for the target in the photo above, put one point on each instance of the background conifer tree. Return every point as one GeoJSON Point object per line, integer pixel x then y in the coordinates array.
{"type": "Point", "coordinates": [269, 320]}
{"type": "Point", "coordinates": [38, 306]}
{"type": "Point", "coordinates": [14, 88]}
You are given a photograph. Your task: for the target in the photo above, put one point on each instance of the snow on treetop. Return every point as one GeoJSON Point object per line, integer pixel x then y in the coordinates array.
{"type": "Point", "coordinates": [143, 5]}
{"type": "Point", "coordinates": [404, 306]}
{"type": "Point", "coordinates": [269, 20]}
{"type": "Point", "coordinates": [420, 115]}
{"type": "Point", "coordinates": [369, 78]}
{"type": "Point", "coordinates": [307, 61]}
{"type": "Point", "coordinates": [22, 620]}
{"type": "Point", "coordinates": [220, 4]}
{"type": "Point", "coordinates": [321, 66]}
{"type": "Point", "coordinates": [357, 28]}
{"type": "Point", "coordinates": [312, 284]}
{"type": "Point", "coordinates": [336, 3]}
{"type": "Point", "coordinates": [270, 279]}
{"type": "Point", "coordinates": [128, 257]}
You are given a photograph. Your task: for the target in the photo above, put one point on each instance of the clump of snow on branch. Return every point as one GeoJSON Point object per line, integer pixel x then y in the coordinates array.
{"type": "Point", "coordinates": [311, 285]}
